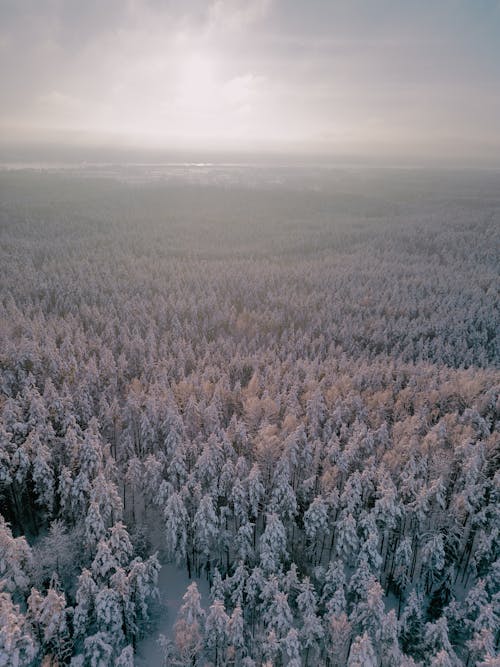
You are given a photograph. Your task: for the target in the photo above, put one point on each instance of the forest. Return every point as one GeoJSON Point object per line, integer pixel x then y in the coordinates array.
{"type": "Point", "coordinates": [281, 382]}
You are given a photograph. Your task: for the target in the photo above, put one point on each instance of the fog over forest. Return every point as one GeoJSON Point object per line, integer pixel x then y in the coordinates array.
{"type": "Point", "coordinates": [249, 416]}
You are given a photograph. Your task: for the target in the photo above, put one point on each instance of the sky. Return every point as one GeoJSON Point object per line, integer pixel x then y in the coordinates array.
{"type": "Point", "coordinates": [416, 79]}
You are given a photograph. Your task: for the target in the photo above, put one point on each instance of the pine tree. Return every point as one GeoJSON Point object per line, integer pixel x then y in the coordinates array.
{"type": "Point", "coordinates": [176, 520]}
{"type": "Point", "coordinates": [311, 631]}
{"type": "Point", "coordinates": [104, 563]}
{"type": "Point", "coordinates": [290, 648]}
{"type": "Point", "coordinates": [205, 526]}
{"type": "Point", "coordinates": [481, 645]}
{"type": "Point", "coordinates": [17, 644]}
{"type": "Point", "coordinates": [433, 560]}
{"type": "Point", "coordinates": [346, 538]}
{"type": "Point", "coordinates": [109, 615]}
{"type": "Point", "coordinates": [402, 563]}
{"type": "Point", "coordinates": [436, 639]}
{"type": "Point", "coordinates": [278, 615]}
{"type": "Point", "coordinates": [189, 627]}
{"type": "Point", "coordinates": [412, 625]}
{"type": "Point", "coordinates": [361, 579]}
{"type": "Point", "coordinates": [43, 476]}
{"type": "Point", "coordinates": [338, 632]}
{"type": "Point", "coordinates": [369, 542]}
{"type": "Point", "coordinates": [239, 500]}
{"type": "Point", "coordinates": [272, 544]}
{"type": "Point", "coordinates": [441, 659]}
{"type": "Point", "coordinates": [368, 614]}
{"type": "Point", "coordinates": [151, 479]}
{"type": "Point", "coordinates": [270, 647]}
{"type": "Point", "coordinates": [15, 560]}
{"type": "Point", "coordinates": [316, 523]}
{"type": "Point", "coordinates": [218, 588]}
{"type": "Point", "coordinates": [362, 653]}
{"type": "Point", "coordinates": [105, 494]}
{"type": "Point", "coordinates": [99, 650]}
{"type": "Point", "coordinates": [333, 592]}
{"type": "Point", "coordinates": [235, 634]}
{"type": "Point", "coordinates": [120, 544]}
{"type": "Point", "coordinates": [255, 491]}
{"type": "Point", "coordinates": [56, 555]}
{"type": "Point", "coordinates": [133, 479]}
{"type": "Point", "coordinates": [390, 652]}
{"type": "Point", "coordinates": [237, 584]}
{"type": "Point", "coordinates": [50, 615]}
{"type": "Point", "coordinates": [143, 583]}
{"type": "Point", "coordinates": [84, 613]}
{"type": "Point", "coordinates": [216, 631]}
{"type": "Point", "coordinates": [244, 542]}
{"type": "Point", "coordinates": [95, 530]}
{"type": "Point", "coordinates": [126, 658]}
{"type": "Point", "coordinates": [283, 501]}
{"type": "Point", "coordinates": [80, 494]}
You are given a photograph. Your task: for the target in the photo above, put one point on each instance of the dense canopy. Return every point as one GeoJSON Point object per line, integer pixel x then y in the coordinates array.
{"type": "Point", "coordinates": [286, 384]}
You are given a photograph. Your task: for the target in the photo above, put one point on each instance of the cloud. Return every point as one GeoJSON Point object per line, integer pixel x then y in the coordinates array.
{"type": "Point", "coordinates": [237, 14]}
{"type": "Point", "coordinates": [321, 74]}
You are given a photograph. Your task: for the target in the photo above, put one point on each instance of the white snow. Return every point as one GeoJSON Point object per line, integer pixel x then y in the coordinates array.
{"type": "Point", "coordinates": [172, 583]}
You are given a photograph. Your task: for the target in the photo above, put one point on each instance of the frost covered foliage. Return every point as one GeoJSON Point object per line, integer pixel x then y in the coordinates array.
{"type": "Point", "coordinates": [285, 381]}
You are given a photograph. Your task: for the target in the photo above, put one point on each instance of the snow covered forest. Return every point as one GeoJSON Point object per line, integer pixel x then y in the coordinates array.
{"type": "Point", "coordinates": [284, 382]}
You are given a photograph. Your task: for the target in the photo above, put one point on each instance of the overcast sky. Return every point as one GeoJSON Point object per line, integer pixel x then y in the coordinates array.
{"type": "Point", "coordinates": [396, 78]}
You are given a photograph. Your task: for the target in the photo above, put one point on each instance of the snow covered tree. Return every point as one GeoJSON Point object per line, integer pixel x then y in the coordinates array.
{"type": "Point", "coordinates": [236, 637]}
{"type": "Point", "coordinates": [278, 615]}
{"type": "Point", "coordinates": [311, 631]}
{"type": "Point", "coordinates": [433, 560]}
{"type": "Point", "coordinates": [255, 490]}
{"type": "Point", "coordinates": [49, 615]}
{"type": "Point", "coordinates": [43, 476]}
{"type": "Point", "coordinates": [205, 526]}
{"type": "Point", "coordinates": [176, 520]}
{"type": "Point", "coordinates": [283, 501]}
{"type": "Point", "coordinates": [109, 616]}
{"type": "Point", "coordinates": [95, 530]}
{"type": "Point", "coordinates": [104, 563]}
{"type": "Point", "coordinates": [84, 614]}
{"type": "Point", "coordinates": [244, 542]}
{"type": "Point", "coordinates": [390, 653]}
{"type": "Point", "coordinates": [436, 640]}
{"type": "Point", "coordinates": [189, 627]}
{"type": "Point", "coordinates": [412, 622]}
{"type": "Point", "coordinates": [368, 614]}
{"type": "Point", "coordinates": [315, 526]}
{"type": "Point", "coordinates": [291, 648]}
{"type": "Point", "coordinates": [99, 650]}
{"type": "Point", "coordinates": [270, 647]}
{"type": "Point", "coordinates": [346, 537]}
{"type": "Point", "coordinates": [272, 544]}
{"type": "Point", "coordinates": [338, 632]}
{"type": "Point", "coordinates": [143, 583]}
{"type": "Point", "coordinates": [333, 591]}
{"type": "Point", "coordinates": [17, 644]}
{"type": "Point", "coordinates": [126, 658]}
{"type": "Point", "coordinates": [15, 560]}
{"type": "Point", "coordinates": [217, 631]}
{"type": "Point", "coordinates": [362, 653]}
{"type": "Point", "coordinates": [120, 544]}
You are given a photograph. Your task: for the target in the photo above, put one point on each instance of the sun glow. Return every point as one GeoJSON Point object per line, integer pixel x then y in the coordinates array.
{"type": "Point", "coordinates": [197, 84]}
{"type": "Point", "coordinates": [211, 102]}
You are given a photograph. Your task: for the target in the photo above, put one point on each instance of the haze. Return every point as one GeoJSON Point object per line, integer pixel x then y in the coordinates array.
{"type": "Point", "coordinates": [416, 81]}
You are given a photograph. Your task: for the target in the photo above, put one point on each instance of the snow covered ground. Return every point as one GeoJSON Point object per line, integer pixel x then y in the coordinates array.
{"type": "Point", "coordinates": [172, 584]}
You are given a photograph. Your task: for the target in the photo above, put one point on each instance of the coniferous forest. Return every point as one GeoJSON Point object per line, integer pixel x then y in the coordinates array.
{"type": "Point", "coordinates": [282, 384]}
